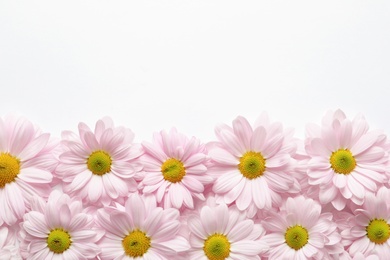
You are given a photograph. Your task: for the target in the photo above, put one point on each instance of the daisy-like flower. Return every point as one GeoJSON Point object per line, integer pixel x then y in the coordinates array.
{"type": "Point", "coordinates": [99, 166]}
{"type": "Point", "coordinates": [142, 231]}
{"type": "Point", "coordinates": [253, 164]}
{"type": "Point", "coordinates": [300, 231]}
{"type": "Point", "coordinates": [58, 229]}
{"type": "Point", "coordinates": [347, 160]}
{"type": "Point", "coordinates": [220, 233]}
{"type": "Point", "coordinates": [25, 167]}
{"type": "Point", "coordinates": [371, 230]}
{"type": "Point", "coordinates": [175, 169]}
{"type": "Point", "coordinates": [8, 246]}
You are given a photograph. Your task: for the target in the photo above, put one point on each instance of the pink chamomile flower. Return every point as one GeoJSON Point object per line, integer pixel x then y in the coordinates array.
{"type": "Point", "coordinates": [141, 232]}
{"type": "Point", "coordinates": [100, 166]}
{"type": "Point", "coordinates": [175, 169]}
{"type": "Point", "coordinates": [301, 231]}
{"type": "Point", "coordinates": [347, 161]}
{"type": "Point", "coordinates": [219, 233]}
{"type": "Point", "coordinates": [25, 167]}
{"type": "Point", "coordinates": [371, 229]}
{"type": "Point", "coordinates": [58, 229]}
{"type": "Point", "coordinates": [253, 164]}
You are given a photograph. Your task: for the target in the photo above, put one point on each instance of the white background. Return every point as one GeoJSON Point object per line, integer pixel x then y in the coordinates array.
{"type": "Point", "coordinates": [153, 65]}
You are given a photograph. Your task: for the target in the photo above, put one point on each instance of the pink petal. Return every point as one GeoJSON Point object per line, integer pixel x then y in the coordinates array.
{"type": "Point", "coordinates": [36, 225]}
{"type": "Point", "coordinates": [241, 230]}
{"type": "Point", "coordinates": [136, 202]}
{"type": "Point", "coordinates": [21, 136]}
{"type": "Point", "coordinates": [258, 139]}
{"type": "Point", "coordinates": [35, 175]}
{"type": "Point", "coordinates": [355, 187]}
{"type": "Point", "coordinates": [247, 247]}
{"type": "Point", "coordinates": [90, 141]}
{"type": "Point", "coordinates": [245, 198]}
{"type": "Point", "coordinates": [13, 197]}
{"type": "Point", "coordinates": [152, 222]}
{"type": "Point", "coordinates": [95, 188]}
{"type": "Point", "coordinates": [196, 227]}
{"type": "Point", "coordinates": [365, 142]}
{"type": "Point", "coordinates": [232, 143]}
{"type": "Point", "coordinates": [176, 195]}
{"type": "Point", "coordinates": [233, 194]}
{"type": "Point", "coordinates": [273, 146]}
{"type": "Point", "coordinates": [223, 157]}
{"type": "Point", "coordinates": [340, 180]}
{"type": "Point", "coordinates": [192, 184]}
{"type": "Point", "coordinates": [345, 134]}
{"type": "Point", "coordinates": [79, 221]}
{"type": "Point", "coordinates": [195, 159]}
{"type": "Point", "coordinates": [243, 130]}
{"type": "Point", "coordinates": [318, 147]}
{"type": "Point", "coordinates": [34, 147]}
{"type": "Point", "coordinates": [222, 215]}
{"type": "Point", "coordinates": [227, 181]}
{"type": "Point", "coordinates": [208, 220]}
{"type": "Point", "coordinates": [154, 151]}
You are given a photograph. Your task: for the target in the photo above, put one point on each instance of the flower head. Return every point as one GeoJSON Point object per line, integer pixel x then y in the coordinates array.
{"type": "Point", "coordinates": [220, 233]}
{"type": "Point", "coordinates": [253, 164]}
{"type": "Point", "coordinates": [141, 231]}
{"type": "Point", "coordinates": [175, 169]}
{"type": "Point", "coordinates": [371, 229]}
{"type": "Point", "coordinates": [300, 231]}
{"type": "Point", "coordinates": [99, 166]}
{"type": "Point", "coordinates": [347, 160]}
{"type": "Point", "coordinates": [58, 229]}
{"type": "Point", "coordinates": [26, 163]}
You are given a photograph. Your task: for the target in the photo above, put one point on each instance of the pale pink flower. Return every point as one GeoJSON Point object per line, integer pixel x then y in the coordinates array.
{"type": "Point", "coordinates": [347, 161]}
{"type": "Point", "coordinates": [253, 165]}
{"type": "Point", "coordinates": [99, 166]}
{"type": "Point", "coordinates": [25, 167]}
{"type": "Point", "coordinates": [221, 233]}
{"type": "Point", "coordinates": [9, 248]}
{"type": "Point", "coordinates": [141, 231]}
{"type": "Point", "coordinates": [58, 229]}
{"type": "Point", "coordinates": [176, 171]}
{"type": "Point", "coordinates": [301, 231]}
{"type": "Point", "coordinates": [370, 231]}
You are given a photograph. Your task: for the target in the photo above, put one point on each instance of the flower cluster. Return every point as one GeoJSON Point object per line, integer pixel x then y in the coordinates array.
{"type": "Point", "coordinates": [255, 192]}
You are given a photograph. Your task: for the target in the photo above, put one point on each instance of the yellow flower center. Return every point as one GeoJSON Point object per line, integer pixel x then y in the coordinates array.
{"type": "Point", "coordinates": [136, 244]}
{"type": "Point", "coordinates": [378, 231]}
{"type": "Point", "coordinates": [342, 161]}
{"type": "Point", "coordinates": [9, 168]}
{"type": "Point", "coordinates": [296, 237]}
{"type": "Point", "coordinates": [173, 170]}
{"type": "Point", "coordinates": [252, 165]}
{"type": "Point", "coordinates": [216, 247]}
{"type": "Point", "coordinates": [58, 241]}
{"type": "Point", "coordinates": [99, 162]}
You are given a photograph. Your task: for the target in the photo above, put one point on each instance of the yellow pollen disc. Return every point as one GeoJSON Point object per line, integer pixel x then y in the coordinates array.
{"type": "Point", "coordinates": [99, 162]}
{"type": "Point", "coordinates": [216, 247]}
{"type": "Point", "coordinates": [173, 170]}
{"type": "Point", "coordinates": [342, 161]}
{"type": "Point", "coordinates": [378, 231]}
{"type": "Point", "coordinates": [252, 165]}
{"type": "Point", "coordinates": [58, 241]}
{"type": "Point", "coordinates": [136, 243]}
{"type": "Point", "coordinates": [9, 168]}
{"type": "Point", "coordinates": [296, 237]}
